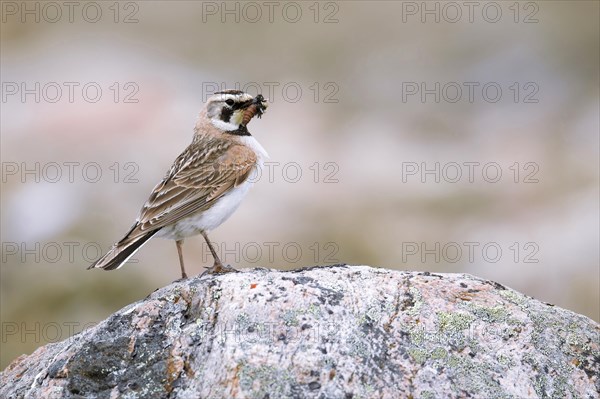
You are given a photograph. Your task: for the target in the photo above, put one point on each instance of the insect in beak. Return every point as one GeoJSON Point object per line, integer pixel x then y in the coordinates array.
{"type": "Point", "coordinates": [257, 107]}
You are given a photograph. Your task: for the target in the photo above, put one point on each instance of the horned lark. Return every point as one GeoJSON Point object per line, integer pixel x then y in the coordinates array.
{"type": "Point", "coordinates": [206, 183]}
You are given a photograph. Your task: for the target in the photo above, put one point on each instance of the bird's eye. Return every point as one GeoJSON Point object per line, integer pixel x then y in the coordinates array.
{"type": "Point", "coordinates": [229, 102]}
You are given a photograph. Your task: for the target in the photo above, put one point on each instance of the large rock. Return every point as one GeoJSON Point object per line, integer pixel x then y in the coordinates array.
{"type": "Point", "coordinates": [327, 332]}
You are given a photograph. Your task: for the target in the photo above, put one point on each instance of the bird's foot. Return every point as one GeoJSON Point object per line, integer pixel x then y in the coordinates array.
{"type": "Point", "coordinates": [219, 268]}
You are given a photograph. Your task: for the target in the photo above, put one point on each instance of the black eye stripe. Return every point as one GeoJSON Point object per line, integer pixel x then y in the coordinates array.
{"type": "Point", "coordinates": [226, 113]}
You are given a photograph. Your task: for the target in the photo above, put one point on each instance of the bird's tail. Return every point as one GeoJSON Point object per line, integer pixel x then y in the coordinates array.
{"type": "Point", "coordinates": [122, 251]}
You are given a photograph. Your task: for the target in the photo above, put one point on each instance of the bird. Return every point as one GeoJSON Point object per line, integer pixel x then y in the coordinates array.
{"type": "Point", "coordinates": [205, 184]}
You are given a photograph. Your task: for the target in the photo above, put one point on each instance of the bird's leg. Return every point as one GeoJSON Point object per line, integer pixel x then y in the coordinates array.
{"type": "Point", "coordinates": [179, 244]}
{"type": "Point", "coordinates": [218, 266]}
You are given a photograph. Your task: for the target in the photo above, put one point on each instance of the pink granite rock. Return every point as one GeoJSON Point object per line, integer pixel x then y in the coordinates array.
{"type": "Point", "coordinates": [324, 332]}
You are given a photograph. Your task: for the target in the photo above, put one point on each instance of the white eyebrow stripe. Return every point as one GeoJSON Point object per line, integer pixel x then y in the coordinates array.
{"type": "Point", "coordinates": [234, 97]}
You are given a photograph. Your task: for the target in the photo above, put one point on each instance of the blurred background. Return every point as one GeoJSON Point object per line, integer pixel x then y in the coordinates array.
{"type": "Point", "coordinates": [405, 135]}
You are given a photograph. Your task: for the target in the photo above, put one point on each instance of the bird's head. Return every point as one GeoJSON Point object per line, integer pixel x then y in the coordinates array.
{"type": "Point", "coordinates": [232, 110]}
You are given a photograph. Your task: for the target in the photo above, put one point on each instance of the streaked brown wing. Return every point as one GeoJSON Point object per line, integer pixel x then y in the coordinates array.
{"type": "Point", "coordinates": [197, 179]}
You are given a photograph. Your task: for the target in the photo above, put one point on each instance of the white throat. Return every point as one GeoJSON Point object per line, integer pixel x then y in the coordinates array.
{"type": "Point", "coordinates": [227, 126]}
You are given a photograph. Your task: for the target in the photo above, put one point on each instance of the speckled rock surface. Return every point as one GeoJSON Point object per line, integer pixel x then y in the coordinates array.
{"type": "Point", "coordinates": [330, 332]}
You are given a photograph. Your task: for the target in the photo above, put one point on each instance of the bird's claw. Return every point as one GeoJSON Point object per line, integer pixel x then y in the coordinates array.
{"type": "Point", "coordinates": [219, 268]}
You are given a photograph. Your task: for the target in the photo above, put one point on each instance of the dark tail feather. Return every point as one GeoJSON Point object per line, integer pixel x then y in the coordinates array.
{"type": "Point", "coordinates": [121, 252]}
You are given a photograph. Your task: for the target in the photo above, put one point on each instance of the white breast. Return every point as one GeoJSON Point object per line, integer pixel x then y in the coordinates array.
{"type": "Point", "coordinates": [222, 209]}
